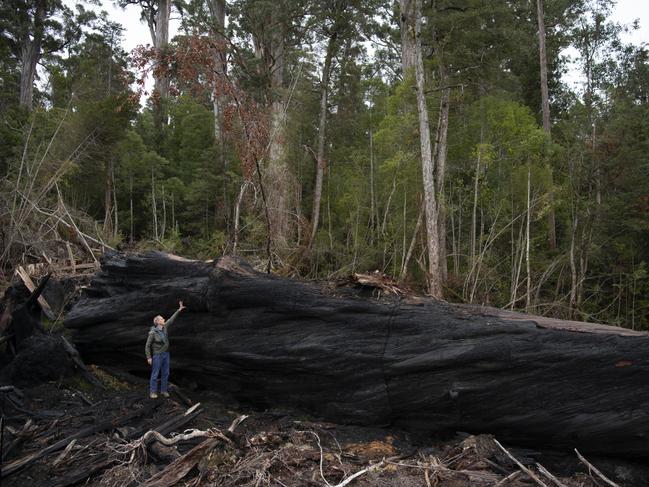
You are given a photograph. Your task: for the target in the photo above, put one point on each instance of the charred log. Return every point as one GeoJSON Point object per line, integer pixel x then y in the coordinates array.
{"type": "Point", "coordinates": [411, 362]}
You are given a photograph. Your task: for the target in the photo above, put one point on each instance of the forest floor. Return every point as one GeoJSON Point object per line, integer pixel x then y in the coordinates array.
{"type": "Point", "coordinates": [69, 432]}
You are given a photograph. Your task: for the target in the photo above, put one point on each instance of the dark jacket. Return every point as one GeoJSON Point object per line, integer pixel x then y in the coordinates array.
{"type": "Point", "coordinates": [158, 339]}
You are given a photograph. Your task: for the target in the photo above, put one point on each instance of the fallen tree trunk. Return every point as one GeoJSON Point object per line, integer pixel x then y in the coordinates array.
{"type": "Point", "coordinates": [410, 362]}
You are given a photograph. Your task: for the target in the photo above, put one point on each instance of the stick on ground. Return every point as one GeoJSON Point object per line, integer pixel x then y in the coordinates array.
{"type": "Point", "coordinates": [593, 469]}
{"type": "Point", "coordinates": [529, 473]}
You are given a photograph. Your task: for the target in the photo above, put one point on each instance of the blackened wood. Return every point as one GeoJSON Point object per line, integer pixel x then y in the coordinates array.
{"type": "Point", "coordinates": [82, 433]}
{"type": "Point", "coordinates": [176, 470]}
{"type": "Point", "coordinates": [76, 359]}
{"type": "Point", "coordinates": [412, 362]}
{"type": "Point", "coordinates": [81, 474]}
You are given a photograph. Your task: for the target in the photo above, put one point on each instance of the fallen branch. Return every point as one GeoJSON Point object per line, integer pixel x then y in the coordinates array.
{"type": "Point", "coordinates": [592, 468]}
{"type": "Point", "coordinates": [182, 466]}
{"type": "Point", "coordinates": [170, 425]}
{"type": "Point", "coordinates": [545, 472]}
{"type": "Point", "coordinates": [529, 473]}
{"type": "Point", "coordinates": [236, 422]}
{"type": "Point", "coordinates": [64, 453]}
{"type": "Point", "coordinates": [510, 477]}
{"type": "Point", "coordinates": [188, 435]}
{"type": "Point", "coordinates": [176, 470]}
{"type": "Point", "coordinates": [353, 477]}
{"type": "Point", "coordinates": [29, 284]}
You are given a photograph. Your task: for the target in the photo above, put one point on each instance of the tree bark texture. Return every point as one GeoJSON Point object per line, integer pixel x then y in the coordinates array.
{"type": "Point", "coordinates": [160, 41]}
{"type": "Point", "coordinates": [322, 127]}
{"type": "Point", "coordinates": [339, 353]}
{"type": "Point", "coordinates": [31, 44]}
{"type": "Point", "coordinates": [269, 49]}
{"type": "Point", "coordinates": [427, 166]}
{"type": "Point", "coordinates": [408, 20]}
{"type": "Point", "coordinates": [545, 108]}
{"type": "Point", "coordinates": [217, 13]}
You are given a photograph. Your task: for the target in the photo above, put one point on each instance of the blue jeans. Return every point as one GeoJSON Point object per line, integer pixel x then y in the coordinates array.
{"type": "Point", "coordinates": [159, 366]}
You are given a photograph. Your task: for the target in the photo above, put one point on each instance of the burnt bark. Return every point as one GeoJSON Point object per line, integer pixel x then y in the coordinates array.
{"type": "Point", "coordinates": [411, 362]}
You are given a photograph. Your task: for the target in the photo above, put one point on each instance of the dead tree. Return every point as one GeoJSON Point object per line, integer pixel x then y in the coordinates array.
{"type": "Point", "coordinates": [342, 354]}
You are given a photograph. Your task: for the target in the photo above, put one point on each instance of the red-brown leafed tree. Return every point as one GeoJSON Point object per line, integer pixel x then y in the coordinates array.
{"type": "Point", "coordinates": [194, 64]}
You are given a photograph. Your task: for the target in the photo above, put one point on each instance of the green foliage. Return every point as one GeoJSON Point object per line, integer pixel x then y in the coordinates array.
{"type": "Point", "coordinates": [173, 184]}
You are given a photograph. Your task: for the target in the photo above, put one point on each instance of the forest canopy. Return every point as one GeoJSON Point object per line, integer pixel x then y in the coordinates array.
{"type": "Point", "coordinates": [436, 142]}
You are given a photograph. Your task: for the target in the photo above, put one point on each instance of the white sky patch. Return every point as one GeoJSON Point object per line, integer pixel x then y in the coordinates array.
{"type": "Point", "coordinates": [625, 13]}
{"type": "Point", "coordinates": [136, 31]}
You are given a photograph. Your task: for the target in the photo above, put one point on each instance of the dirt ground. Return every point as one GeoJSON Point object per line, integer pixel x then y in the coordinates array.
{"type": "Point", "coordinates": [68, 432]}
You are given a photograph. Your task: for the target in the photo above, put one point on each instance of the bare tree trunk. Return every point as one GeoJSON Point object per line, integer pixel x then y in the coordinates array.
{"type": "Point", "coordinates": [217, 12]}
{"type": "Point", "coordinates": [474, 214]}
{"type": "Point", "coordinates": [545, 107]}
{"type": "Point", "coordinates": [237, 212]}
{"type": "Point", "coordinates": [543, 62]}
{"type": "Point", "coordinates": [108, 196]}
{"type": "Point", "coordinates": [278, 175]}
{"type": "Point", "coordinates": [322, 126]}
{"type": "Point", "coordinates": [431, 205]}
{"type": "Point", "coordinates": [173, 213]}
{"type": "Point", "coordinates": [518, 265]}
{"type": "Point", "coordinates": [408, 19]}
{"type": "Point", "coordinates": [528, 294]}
{"type": "Point", "coordinates": [413, 241]}
{"type": "Point", "coordinates": [131, 208]}
{"type": "Point", "coordinates": [154, 208]}
{"type": "Point", "coordinates": [386, 210]}
{"type": "Point", "coordinates": [160, 41]}
{"type": "Point", "coordinates": [116, 222]}
{"type": "Point", "coordinates": [30, 54]}
{"type": "Point", "coordinates": [164, 214]}
{"type": "Point", "coordinates": [440, 153]}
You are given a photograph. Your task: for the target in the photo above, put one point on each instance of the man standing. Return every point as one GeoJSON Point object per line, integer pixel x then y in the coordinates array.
{"type": "Point", "coordinates": [157, 353]}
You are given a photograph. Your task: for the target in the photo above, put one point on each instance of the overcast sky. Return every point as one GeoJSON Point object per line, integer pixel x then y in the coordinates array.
{"type": "Point", "coordinates": [137, 32]}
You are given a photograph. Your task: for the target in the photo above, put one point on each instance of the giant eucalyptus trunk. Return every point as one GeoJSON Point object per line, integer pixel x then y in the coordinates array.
{"type": "Point", "coordinates": [408, 18]}
{"type": "Point", "coordinates": [31, 54]}
{"type": "Point", "coordinates": [408, 361]}
{"type": "Point", "coordinates": [270, 50]}
{"type": "Point", "coordinates": [160, 41]}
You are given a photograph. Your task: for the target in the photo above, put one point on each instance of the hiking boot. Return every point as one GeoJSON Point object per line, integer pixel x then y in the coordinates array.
{"type": "Point", "coordinates": [165, 394]}
{"type": "Point", "coordinates": [153, 395]}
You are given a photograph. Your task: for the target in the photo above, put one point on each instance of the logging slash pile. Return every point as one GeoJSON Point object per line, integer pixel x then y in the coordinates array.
{"type": "Point", "coordinates": [74, 413]}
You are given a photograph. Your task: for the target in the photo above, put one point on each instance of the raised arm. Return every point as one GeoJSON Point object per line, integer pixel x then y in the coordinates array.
{"type": "Point", "coordinates": [175, 315]}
